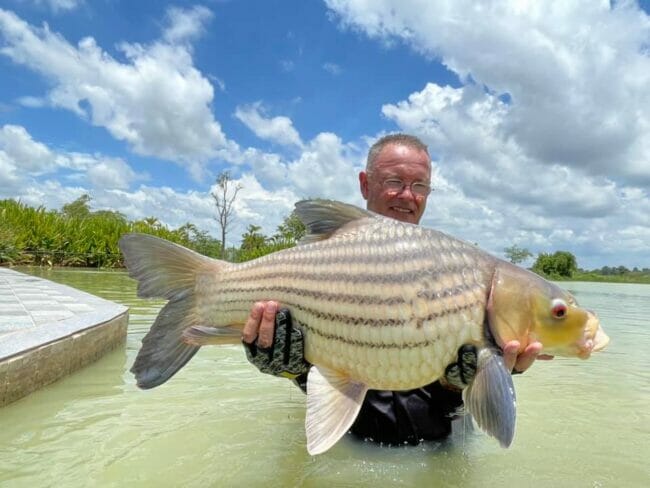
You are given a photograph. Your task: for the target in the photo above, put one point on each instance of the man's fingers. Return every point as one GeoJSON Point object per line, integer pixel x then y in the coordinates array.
{"type": "Point", "coordinates": [510, 351]}
{"type": "Point", "coordinates": [267, 326]}
{"type": "Point", "coordinates": [251, 328]}
{"type": "Point", "coordinates": [527, 358]}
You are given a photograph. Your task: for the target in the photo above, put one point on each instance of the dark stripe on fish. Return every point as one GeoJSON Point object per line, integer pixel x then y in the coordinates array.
{"type": "Point", "coordinates": [356, 320]}
{"type": "Point", "coordinates": [413, 276]}
{"type": "Point", "coordinates": [361, 256]}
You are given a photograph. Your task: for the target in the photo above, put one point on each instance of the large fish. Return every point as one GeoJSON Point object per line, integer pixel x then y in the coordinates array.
{"type": "Point", "coordinates": [383, 305]}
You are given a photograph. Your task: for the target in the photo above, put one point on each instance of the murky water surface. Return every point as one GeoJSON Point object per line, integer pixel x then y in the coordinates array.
{"type": "Point", "coordinates": [220, 423]}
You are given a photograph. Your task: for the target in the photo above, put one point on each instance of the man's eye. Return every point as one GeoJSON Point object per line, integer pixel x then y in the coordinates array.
{"type": "Point", "coordinates": [393, 183]}
{"type": "Point", "coordinates": [420, 188]}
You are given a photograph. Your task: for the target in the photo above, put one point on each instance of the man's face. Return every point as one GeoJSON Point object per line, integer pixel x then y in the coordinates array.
{"type": "Point", "coordinates": [397, 162]}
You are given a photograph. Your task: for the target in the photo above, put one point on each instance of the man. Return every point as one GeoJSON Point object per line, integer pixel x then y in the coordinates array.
{"type": "Point", "coordinates": [396, 183]}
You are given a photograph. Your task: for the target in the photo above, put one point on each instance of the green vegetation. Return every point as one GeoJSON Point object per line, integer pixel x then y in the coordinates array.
{"type": "Point", "coordinates": [560, 265]}
{"type": "Point", "coordinates": [77, 236]}
{"type": "Point", "coordinates": [563, 266]}
{"type": "Point", "coordinates": [516, 254]}
{"type": "Point", "coordinates": [255, 244]}
{"type": "Point", "coordinates": [620, 275]}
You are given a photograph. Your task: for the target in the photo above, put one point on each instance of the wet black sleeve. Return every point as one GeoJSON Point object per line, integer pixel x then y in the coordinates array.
{"type": "Point", "coordinates": [409, 417]}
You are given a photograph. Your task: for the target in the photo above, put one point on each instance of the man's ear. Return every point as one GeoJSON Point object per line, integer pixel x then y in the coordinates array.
{"type": "Point", "coordinates": [363, 184]}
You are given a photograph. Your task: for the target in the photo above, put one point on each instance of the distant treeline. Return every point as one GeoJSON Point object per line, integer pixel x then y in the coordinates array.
{"type": "Point", "coordinates": [77, 236]}
{"type": "Point", "coordinates": [562, 265]}
{"type": "Point", "coordinates": [623, 275]}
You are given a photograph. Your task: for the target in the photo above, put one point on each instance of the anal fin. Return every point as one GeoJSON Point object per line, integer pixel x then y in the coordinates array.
{"type": "Point", "coordinates": [333, 403]}
{"type": "Point", "coordinates": [199, 335]}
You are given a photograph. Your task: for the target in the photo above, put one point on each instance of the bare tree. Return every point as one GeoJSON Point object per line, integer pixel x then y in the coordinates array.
{"type": "Point", "coordinates": [224, 197]}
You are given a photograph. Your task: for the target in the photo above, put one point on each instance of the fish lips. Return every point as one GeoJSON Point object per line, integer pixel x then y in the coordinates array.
{"type": "Point", "coordinates": [594, 338]}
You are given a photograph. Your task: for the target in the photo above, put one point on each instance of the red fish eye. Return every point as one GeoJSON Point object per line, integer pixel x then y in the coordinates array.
{"type": "Point", "coordinates": [558, 309]}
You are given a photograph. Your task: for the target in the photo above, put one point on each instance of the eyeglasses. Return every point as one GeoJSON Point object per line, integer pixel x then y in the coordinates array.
{"type": "Point", "coordinates": [418, 188]}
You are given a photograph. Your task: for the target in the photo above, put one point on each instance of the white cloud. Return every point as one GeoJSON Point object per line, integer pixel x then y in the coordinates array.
{"type": "Point", "coordinates": [258, 205]}
{"type": "Point", "coordinates": [32, 102]}
{"type": "Point", "coordinates": [9, 179]}
{"type": "Point", "coordinates": [276, 129]}
{"type": "Point", "coordinates": [326, 168]}
{"type": "Point", "coordinates": [23, 152]}
{"type": "Point", "coordinates": [125, 98]}
{"type": "Point", "coordinates": [111, 173]}
{"type": "Point", "coordinates": [186, 25]}
{"type": "Point", "coordinates": [23, 161]}
{"type": "Point", "coordinates": [60, 5]}
{"type": "Point", "coordinates": [555, 60]}
{"type": "Point", "coordinates": [332, 68]}
{"type": "Point", "coordinates": [465, 127]}
{"type": "Point", "coordinates": [546, 143]}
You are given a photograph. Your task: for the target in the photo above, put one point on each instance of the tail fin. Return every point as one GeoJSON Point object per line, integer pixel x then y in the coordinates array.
{"type": "Point", "coordinates": [166, 270]}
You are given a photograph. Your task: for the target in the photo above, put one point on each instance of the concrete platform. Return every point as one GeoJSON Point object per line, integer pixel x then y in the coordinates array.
{"type": "Point", "coordinates": [48, 330]}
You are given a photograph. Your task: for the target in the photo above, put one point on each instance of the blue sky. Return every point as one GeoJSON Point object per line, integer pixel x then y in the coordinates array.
{"type": "Point", "coordinates": [537, 115]}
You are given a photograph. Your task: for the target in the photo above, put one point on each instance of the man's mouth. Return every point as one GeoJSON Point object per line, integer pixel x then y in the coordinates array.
{"type": "Point", "coordinates": [402, 210]}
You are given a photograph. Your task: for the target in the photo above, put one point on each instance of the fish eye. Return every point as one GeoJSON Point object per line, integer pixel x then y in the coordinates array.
{"type": "Point", "coordinates": [558, 308]}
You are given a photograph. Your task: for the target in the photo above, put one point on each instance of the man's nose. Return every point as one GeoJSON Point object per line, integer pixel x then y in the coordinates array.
{"type": "Point", "coordinates": [406, 192]}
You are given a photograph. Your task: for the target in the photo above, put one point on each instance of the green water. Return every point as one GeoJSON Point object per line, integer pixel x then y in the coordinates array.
{"type": "Point", "coordinates": [220, 423]}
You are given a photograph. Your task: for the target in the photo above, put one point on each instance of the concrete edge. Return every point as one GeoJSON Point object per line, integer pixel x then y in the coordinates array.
{"type": "Point", "coordinates": [30, 370]}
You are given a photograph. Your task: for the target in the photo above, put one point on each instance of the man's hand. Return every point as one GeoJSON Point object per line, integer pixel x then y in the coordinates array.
{"type": "Point", "coordinates": [260, 326]}
{"type": "Point", "coordinates": [518, 363]}
{"type": "Point", "coordinates": [458, 375]}
{"type": "Point", "coordinates": [283, 354]}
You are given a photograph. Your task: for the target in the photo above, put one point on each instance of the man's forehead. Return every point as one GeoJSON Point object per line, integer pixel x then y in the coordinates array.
{"type": "Point", "coordinates": [398, 158]}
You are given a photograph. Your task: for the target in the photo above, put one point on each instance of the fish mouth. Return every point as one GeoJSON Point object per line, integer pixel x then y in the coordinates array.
{"type": "Point", "coordinates": [594, 338]}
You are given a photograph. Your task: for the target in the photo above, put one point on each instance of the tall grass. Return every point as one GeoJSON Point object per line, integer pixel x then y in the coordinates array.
{"type": "Point", "coordinates": [47, 237]}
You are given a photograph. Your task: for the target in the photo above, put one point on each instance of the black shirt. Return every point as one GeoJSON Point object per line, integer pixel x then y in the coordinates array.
{"type": "Point", "coordinates": [398, 417]}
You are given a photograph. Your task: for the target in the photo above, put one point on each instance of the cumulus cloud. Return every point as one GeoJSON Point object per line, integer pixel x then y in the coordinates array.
{"type": "Point", "coordinates": [125, 97]}
{"type": "Point", "coordinates": [549, 127]}
{"type": "Point", "coordinates": [185, 25]}
{"type": "Point", "coordinates": [326, 168]}
{"type": "Point", "coordinates": [111, 173]}
{"type": "Point", "coordinates": [553, 60]}
{"type": "Point", "coordinates": [26, 163]}
{"type": "Point", "coordinates": [465, 127]}
{"type": "Point", "coordinates": [23, 152]}
{"type": "Point", "coordinates": [279, 130]}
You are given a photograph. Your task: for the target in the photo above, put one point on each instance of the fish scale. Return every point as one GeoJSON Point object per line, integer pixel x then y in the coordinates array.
{"type": "Point", "coordinates": [363, 311]}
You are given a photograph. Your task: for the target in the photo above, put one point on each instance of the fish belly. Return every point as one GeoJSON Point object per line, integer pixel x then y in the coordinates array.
{"type": "Point", "coordinates": [388, 307]}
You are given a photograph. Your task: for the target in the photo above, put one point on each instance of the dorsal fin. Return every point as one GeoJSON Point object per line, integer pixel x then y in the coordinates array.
{"type": "Point", "coordinates": [322, 218]}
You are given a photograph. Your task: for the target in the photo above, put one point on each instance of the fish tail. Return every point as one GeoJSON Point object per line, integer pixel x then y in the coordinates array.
{"type": "Point", "coordinates": [165, 270]}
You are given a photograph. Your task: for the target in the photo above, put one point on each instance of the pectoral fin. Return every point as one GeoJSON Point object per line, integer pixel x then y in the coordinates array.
{"type": "Point", "coordinates": [490, 398]}
{"type": "Point", "coordinates": [333, 403]}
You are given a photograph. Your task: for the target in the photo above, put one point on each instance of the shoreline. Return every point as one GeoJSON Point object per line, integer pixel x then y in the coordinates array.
{"type": "Point", "coordinates": [584, 277]}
